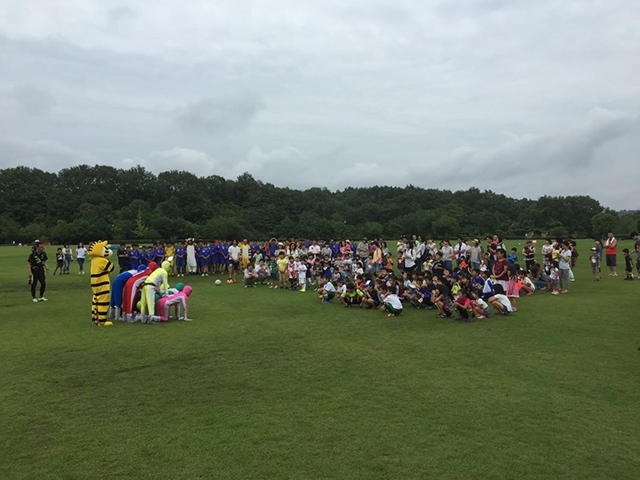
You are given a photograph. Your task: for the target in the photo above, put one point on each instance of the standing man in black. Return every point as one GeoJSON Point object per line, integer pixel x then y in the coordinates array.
{"type": "Point", "coordinates": [123, 258]}
{"type": "Point", "coordinates": [38, 268]}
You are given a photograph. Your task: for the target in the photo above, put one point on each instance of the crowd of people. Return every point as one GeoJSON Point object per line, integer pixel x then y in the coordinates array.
{"type": "Point", "coordinates": [464, 278]}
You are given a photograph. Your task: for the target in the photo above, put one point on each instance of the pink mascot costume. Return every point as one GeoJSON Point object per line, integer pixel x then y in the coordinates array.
{"type": "Point", "coordinates": [178, 300]}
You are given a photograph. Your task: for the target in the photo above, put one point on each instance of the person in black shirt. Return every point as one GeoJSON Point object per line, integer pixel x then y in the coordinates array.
{"type": "Point", "coordinates": [38, 268]}
{"type": "Point", "coordinates": [123, 258]}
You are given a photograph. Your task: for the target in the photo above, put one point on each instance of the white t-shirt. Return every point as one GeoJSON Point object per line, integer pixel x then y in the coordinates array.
{"type": "Point", "coordinates": [302, 270]}
{"type": "Point", "coordinates": [394, 301]}
{"type": "Point", "coordinates": [249, 273]}
{"type": "Point", "coordinates": [409, 258]}
{"type": "Point", "coordinates": [329, 287]}
{"type": "Point", "coordinates": [342, 289]}
{"type": "Point", "coordinates": [565, 260]}
{"type": "Point", "coordinates": [447, 252]}
{"type": "Point", "coordinates": [81, 252]}
{"type": "Point", "coordinates": [461, 250]}
{"type": "Point", "coordinates": [481, 303]}
{"type": "Point", "coordinates": [234, 252]}
{"type": "Point", "coordinates": [504, 301]}
{"type": "Point", "coordinates": [315, 249]}
{"type": "Point", "coordinates": [526, 281]}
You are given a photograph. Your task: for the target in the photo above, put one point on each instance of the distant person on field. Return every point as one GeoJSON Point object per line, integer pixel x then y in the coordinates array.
{"type": "Point", "coordinates": [38, 268]}
{"type": "Point", "coordinates": [594, 262]}
{"type": "Point", "coordinates": [59, 261]}
{"type": "Point", "coordinates": [628, 264]}
{"type": "Point", "coordinates": [611, 249]}
{"type": "Point", "coordinates": [636, 250]}
{"type": "Point", "coordinates": [68, 257]}
{"type": "Point", "coordinates": [81, 254]}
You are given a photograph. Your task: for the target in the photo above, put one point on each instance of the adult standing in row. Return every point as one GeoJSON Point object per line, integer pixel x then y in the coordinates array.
{"type": "Point", "coordinates": [460, 251]}
{"type": "Point", "coordinates": [38, 268]}
{"type": "Point", "coordinates": [475, 254]}
{"type": "Point", "coordinates": [611, 250]}
{"type": "Point", "coordinates": [564, 266]}
{"type": "Point", "coordinates": [447, 255]}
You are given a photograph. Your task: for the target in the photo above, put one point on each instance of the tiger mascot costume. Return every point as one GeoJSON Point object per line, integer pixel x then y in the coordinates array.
{"type": "Point", "coordinates": [101, 267]}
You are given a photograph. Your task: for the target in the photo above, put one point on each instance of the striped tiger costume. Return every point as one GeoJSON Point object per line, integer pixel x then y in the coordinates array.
{"type": "Point", "coordinates": [101, 267]}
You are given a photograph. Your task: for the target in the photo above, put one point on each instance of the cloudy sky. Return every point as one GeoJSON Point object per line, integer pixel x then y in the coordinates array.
{"type": "Point", "coordinates": [523, 97]}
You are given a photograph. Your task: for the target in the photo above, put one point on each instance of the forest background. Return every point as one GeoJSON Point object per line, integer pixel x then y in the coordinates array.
{"type": "Point", "coordinates": [88, 202]}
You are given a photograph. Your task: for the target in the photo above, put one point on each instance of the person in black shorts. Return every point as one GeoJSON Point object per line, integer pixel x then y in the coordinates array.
{"type": "Point", "coordinates": [38, 268]}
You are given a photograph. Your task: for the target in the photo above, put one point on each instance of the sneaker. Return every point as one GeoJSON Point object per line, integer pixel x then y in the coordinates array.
{"type": "Point", "coordinates": [480, 317]}
{"type": "Point", "coordinates": [554, 293]}
{"type": "Point", "coordinates": [35, 300]}
{"type": "Point", "coordinates": [42, 299]}
{"type": "Point", "coordinates": [303, 291]}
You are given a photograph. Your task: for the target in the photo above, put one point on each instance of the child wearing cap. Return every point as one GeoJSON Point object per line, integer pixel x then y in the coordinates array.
{"type": "Point", "coordinates": [371, 299]}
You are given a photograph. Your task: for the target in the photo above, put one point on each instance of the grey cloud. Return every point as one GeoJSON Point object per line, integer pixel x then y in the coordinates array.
{"type": "Point", "coordinates": [218, 115]}
{"type": "Point", "coordinates": [33, 100]}
{"type": "Point", "coordinates": [122, 12]}
{"type": "Point", "coordinates": [499, 95]}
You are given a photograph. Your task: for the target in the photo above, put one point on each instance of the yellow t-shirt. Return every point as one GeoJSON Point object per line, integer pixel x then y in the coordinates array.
{"type": "Point", "coordinates": [283, 263]}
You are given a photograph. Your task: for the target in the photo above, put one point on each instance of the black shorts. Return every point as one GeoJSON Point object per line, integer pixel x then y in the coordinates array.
{"type": "Point", "coordinates": [235, 264]}
{"type": "Point", "coordinates": [611, 260]}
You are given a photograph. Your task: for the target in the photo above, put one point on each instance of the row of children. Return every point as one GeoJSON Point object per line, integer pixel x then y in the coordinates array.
{"type": "Point", "coordinates": [470, 296]}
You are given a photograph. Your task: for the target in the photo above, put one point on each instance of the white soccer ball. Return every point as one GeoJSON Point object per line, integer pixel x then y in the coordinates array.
{"type": "Point", "coordinates": [218, 282]}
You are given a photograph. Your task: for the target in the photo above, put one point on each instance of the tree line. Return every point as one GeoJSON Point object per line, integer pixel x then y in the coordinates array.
{"type": "Point", "coordinates": [90, 202]}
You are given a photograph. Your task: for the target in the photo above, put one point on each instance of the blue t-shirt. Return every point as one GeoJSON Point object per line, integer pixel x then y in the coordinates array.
{"type": "Point", "coordinates": [181, 256]}
{"type": "Point", "coordinates": [159, 255]}
{"type": "Point", "coordinates": [512, 258]}
{"type": "Point", "coordinates": [134, 258]}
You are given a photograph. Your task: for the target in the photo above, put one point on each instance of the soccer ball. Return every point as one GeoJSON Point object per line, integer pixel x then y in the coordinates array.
{"type": "Point", "coordinates": [229, 281]}
{"type": "Point", "coordinates": [218, 282]}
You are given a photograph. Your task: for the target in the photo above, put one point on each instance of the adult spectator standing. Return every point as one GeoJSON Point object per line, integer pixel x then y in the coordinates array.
{"type": "Point", "coordinates": [565, 266]}
{"type": "Point", "coordinates": [67, 253]}
{"type": "Point", "coordinates": [636, 248]}
{"type": "Point", "coordinates": [314, 248]}
{"type": "Point", "coordinates": [501, 268]}
{"type": "Point", "coordinates": [460, 251]}
{"type": "Point", "coordinates": [38, 268]}
{"type": "Point", "coordinates": [447, 255]}
{"type": "Point", "coordinates": [123, 258]}
{"type": "Point", "coordinates": [611, 251]}
{"type": "Point", "coordinates": [475, 254]}
{"type": "Point", "coordinates": [234, 261]}
{"type": "Point", "coordinates": [409, 257]}
{"type": "Point", "coordinates": [81, 254]}
{"type": "Point", "coordinates": [362, 250]}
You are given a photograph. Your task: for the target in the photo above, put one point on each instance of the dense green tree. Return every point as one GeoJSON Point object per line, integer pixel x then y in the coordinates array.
{"type": "Point", "coordinates": [602, 223]}
{"type": "Point", "coordinates": [86, 202]}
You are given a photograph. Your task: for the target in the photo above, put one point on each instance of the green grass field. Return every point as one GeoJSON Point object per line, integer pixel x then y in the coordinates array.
{"type": "Point", "coordinates": [268, 384]}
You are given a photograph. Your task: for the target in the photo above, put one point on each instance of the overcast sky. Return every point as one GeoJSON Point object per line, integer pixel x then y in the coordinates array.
{"type": "Point", "coordinates": [525, 98]}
